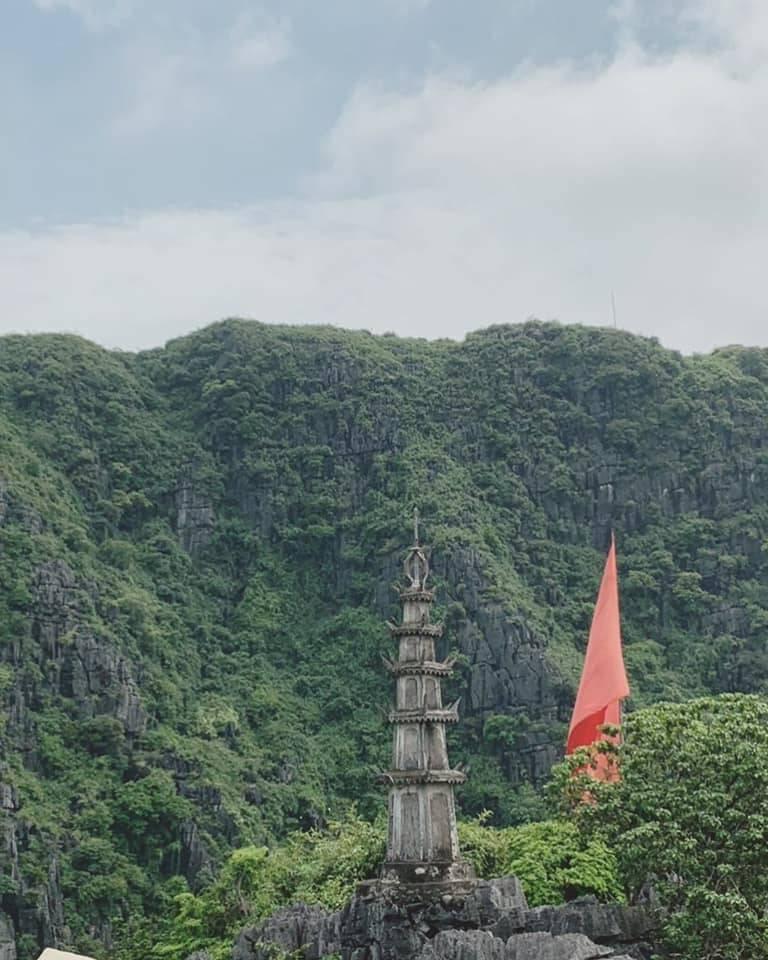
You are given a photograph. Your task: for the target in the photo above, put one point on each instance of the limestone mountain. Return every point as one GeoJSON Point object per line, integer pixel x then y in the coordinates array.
{"type": "Point", "coordinates": [198, 546]}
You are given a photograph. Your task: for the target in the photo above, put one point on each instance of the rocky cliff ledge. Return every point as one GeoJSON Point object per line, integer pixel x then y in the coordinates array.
{"type": "Point", "coordinates": [493, 922]}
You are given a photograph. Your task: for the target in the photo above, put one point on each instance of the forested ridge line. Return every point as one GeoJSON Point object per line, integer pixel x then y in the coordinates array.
{"type": "Point", "coordinates": [198, 546]}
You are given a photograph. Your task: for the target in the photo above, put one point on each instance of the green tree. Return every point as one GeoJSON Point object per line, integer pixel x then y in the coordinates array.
{"type": "Point", "coordinates": [690, 814]}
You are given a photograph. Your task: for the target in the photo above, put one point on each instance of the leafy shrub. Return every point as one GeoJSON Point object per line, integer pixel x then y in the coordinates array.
{"type": "Point", "coordinates": [312, 867]}
{"type": "Point", "coordinates": [554, 861]}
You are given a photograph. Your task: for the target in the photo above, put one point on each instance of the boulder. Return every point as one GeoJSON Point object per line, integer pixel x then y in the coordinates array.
{"type": "Point", "coordinates": [464, 945]}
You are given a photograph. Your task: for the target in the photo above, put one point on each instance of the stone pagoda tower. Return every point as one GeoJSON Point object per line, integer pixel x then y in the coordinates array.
{"type": "Point", "coordinates": [422, 844]}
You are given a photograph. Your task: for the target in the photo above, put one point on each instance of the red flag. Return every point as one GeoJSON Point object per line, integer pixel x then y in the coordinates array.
{"type": "Point", "coordinates": [603, 680]}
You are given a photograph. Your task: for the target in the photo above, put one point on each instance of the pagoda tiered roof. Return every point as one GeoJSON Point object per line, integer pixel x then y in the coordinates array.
{"type": "Point", "coordinates": [425, 715]}
{"type": "Point", "coordinates": [406, 777]}
{"type": "Point", "coordinates": [416, 629]}
{"type": "Point", "coordinates": [431, 668]}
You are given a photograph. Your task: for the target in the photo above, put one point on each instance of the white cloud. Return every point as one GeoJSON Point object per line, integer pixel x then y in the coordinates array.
{"type": "Point", "coordinates": [739, 27]}
{"type": "Point", "coordinates": [258, 46]}
{"type": "Point", "coordinates": [174, 84]}
{"type": "Point", "coordinates": [464, 204]}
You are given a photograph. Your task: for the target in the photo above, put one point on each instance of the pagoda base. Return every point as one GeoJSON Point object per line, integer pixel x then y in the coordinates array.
{"type": "Point", "coordinates": [435, 877]}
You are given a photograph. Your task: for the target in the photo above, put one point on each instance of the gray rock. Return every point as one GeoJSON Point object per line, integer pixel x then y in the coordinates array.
{"type": "Point", "coordinates": [382, 928]}
{"type": "Point", "coordinates": [602, 922]}
{"type": "Point", "coordinates": [464, 945]}
{"type": "Point", "coordinates": [9, 797]}
{"type": "Point", "coordinates": [311, 929]}
{"type": "Point", "coordinates": [7, 939]}
{"type": "Point", "coordinates": [543, 946]}
{"type": "Point", "coordinates": [499, 904]}
{"type": "Point", "coordinates": [195, 519]}
{"type": "Point", "coordinates": [101, 681]}
{"type": "Point", "coordinates": [490, 922]}
{"type": "Point", "coordinates": [55, 605]}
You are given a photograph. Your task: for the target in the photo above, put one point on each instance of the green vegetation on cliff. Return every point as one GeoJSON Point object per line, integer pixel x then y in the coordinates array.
{"type": "Point", "coordinates": [198, 546]}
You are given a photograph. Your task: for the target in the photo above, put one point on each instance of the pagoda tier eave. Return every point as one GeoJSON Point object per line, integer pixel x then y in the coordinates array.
{"type": "Point", "coordinates": [433, 668]}
{"type": "Point", "coordinates": [397, 778]}
{"type": "Point", "coordinates": [418, 594]}
{"type": "Point", "coordinates": [416, 629]}
{"type": "Point", "coordinates": [447, 715]}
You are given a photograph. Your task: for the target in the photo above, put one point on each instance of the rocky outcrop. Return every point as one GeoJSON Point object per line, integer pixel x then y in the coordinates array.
{"type": "Point", "coordinates": [313, 930]}
{"type": "Point", "coordinates": [492, 922]}
{"type": "Point", "coordinates": [605, 922]}
{"type": "Point", "coordinates": [80, 665]}
{"type": "Point", "coordinates": [195, 519]}
{"type": "Point", "coordinates": [7, 939]}
{"type": "Point", "coordinates": [55, 606]}
{"type": "Point", "coordinates": [101, 682]}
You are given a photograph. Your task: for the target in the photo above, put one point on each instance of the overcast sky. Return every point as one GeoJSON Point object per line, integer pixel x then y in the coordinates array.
{"type": "Point", "coordinates": [425, 167]}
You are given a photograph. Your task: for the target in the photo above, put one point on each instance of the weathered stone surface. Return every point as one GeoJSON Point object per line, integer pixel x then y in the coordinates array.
{"type": "Point", "coordinates": [382, 928]}
{"type": "Point", "coordinates": [9, 797]}
{"type": "Point", "coordinates": [80, 665]}
{"type": "Point", "coordinates": [55, 607]}
{"type": "Point", "coordinates": [7, 939]}
{"type": "Point", "coordinates": [604, 922]}
{"type": "Point", "coordinates": [313, 930]}
{"type": "Point", "coordinates": [464, 945]}
{"type": "Point", "coordinates": [543, 946]}
{"type": "Point", "coordinates": [50, 908]}
{"type": "Point", "coordinates": [195, 520]}
{"type": "Point", "coordinates": [492, 922]}
{"type": "Point", "coordinates": [496, 901]}
{"type": "Point", "coordinates": [102, 683]}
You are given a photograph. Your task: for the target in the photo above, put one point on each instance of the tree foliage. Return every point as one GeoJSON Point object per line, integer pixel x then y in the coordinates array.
{"type": "Point", "coordinates": [690, 815]}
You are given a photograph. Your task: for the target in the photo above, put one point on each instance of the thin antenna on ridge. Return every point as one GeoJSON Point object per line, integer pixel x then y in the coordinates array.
{"type": "Point", "coordinates": [613, 309]}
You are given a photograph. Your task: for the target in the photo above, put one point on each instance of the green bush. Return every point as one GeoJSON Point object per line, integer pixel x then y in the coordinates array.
{"type": "Point", "coordinates": [322, 867]}
{"type": "Point", "coordinates": [554, 861]}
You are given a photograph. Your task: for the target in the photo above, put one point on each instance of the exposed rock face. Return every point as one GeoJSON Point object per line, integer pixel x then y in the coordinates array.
{"type": "Point", "coordinates": [491, 923]}
{"type": "Point", "coordinates": [599, 921]}
{"type": "Point", "coordinates": [7, 939]}
{"type": "Point", "coordinates": [194, 515]}
{"type": "Point", "coordinates": [101, 682]}
{"type": "Point", "coordinates": [55, 607]}
{"type": "Point", "coordinates": [82, 666]}
{"type": "Point", "coordinates": [77, 665]}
